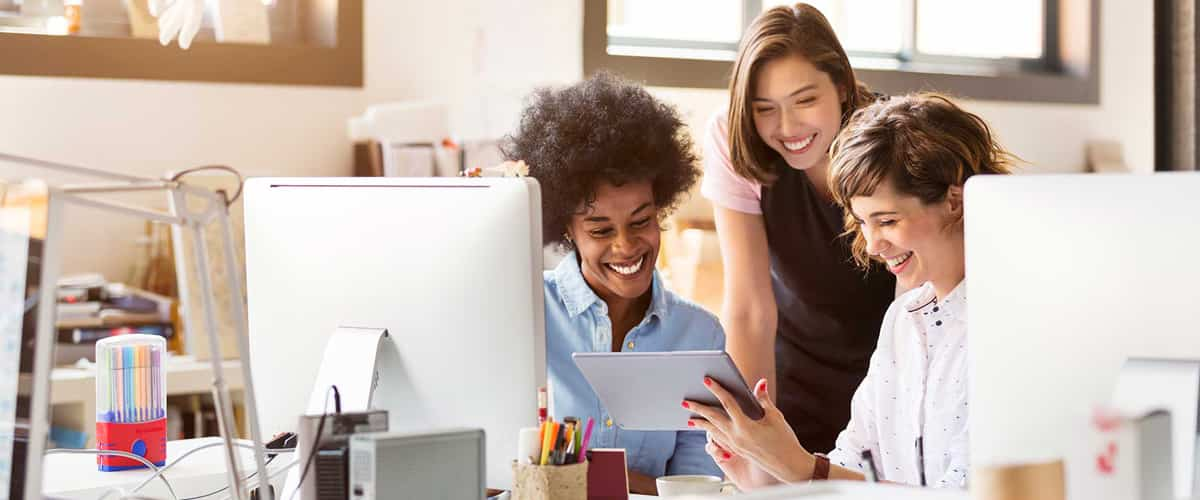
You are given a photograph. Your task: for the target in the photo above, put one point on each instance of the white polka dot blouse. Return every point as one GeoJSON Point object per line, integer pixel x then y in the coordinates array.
{"type": "Point", "coordinates": [915, 388]}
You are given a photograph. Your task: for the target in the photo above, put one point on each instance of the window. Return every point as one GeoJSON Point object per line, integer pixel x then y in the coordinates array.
{"type": "Point", "coordinates": [863, 26]}
{"type": "Point", "coordinates": [280, 22]}
{"type": "Point", "coordinates": [1040, 50]}
{"type": "Point", "coordinates": [981, 28]}
{"type": "Point", "coordinates": [310, 42]}
{"type": "Point", "coordinates": [704, 29]}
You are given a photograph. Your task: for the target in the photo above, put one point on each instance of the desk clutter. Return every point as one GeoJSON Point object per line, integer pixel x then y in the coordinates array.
{"type": "Point", "coordinates": [325, 451]}
{"type": "Point", "coordinates": [554, 462]}
{"type": "Point", "coordinates": [90, 308]}
{"type": "Point", "coordinates": [131, 400]}
{"type": "Point", "coordinates": [546, 482]}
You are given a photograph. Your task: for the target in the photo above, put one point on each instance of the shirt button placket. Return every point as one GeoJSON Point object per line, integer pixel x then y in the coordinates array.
{"type": "Point", "coordinates": [607, 430]}
{"type": "Point", "coordinates": [604, 337]}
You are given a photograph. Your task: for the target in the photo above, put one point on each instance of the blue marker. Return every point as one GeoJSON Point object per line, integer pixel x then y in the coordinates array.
{"type": "Point", "coordinates": [127, 353]}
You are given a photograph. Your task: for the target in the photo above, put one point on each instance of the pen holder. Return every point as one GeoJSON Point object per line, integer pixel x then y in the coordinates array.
{"type": "Point", "coordinates": [131, 414]}
{"type": "Point", "coordinates": [550, 482]}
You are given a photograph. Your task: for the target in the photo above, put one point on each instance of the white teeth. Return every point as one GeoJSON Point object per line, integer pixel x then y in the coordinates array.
{"type": "Point", "coordinates": [896, 261]}
{"type": "Point", "coordinates": [798, 145]}
{"type": "Point", "coordinates": [628, 270]}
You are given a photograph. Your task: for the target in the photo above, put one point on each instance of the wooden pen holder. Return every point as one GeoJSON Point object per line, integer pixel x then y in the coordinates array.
{"type": "Point", "coordinates": [550, 482]}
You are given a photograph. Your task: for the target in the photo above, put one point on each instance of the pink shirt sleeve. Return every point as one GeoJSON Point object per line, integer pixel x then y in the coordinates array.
{"type": "Point", "coordinates": [721, 184]}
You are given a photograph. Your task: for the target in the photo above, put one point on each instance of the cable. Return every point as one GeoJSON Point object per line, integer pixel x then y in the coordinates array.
{"type": "Point", "coordinates": [163, 470]}
{"type": "Point", "coordinates": [312, 453]}
{"type": "Point", "coordinates": [247, 478]}
{"type": "Point", "coordinates": [210, 445]}
{"type": "Point", "coordinates": [120, 493]}
{"type": "Point", "coordinates": [124, 454]}
{"type": "Point", "coordinates": [228, 200]}
{"type": "Point", "coordinates": [270, 476]}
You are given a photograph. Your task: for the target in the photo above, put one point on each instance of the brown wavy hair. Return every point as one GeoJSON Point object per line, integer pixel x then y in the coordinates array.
{"type": "Point", "coordinates": [921, 143]}
{"type": "Point", "coordinates": [777, 33]}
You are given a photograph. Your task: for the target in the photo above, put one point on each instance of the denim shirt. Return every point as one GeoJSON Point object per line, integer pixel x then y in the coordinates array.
{"type": "Point", "coordinates": [577, 321]}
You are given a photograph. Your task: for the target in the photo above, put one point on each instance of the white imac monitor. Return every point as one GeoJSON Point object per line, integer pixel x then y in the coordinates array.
{"type": "Point", "coordinates": [1068, 276]}
{"type": "Point", "coordinates": [451, 267]}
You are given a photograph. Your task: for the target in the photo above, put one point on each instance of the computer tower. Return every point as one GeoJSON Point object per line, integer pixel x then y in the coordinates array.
{"type": "Point", "coordinates": [436, 465]}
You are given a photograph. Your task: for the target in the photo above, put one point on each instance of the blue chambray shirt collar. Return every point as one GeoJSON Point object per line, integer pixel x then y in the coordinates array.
{"type": "Point", "coordinates": [578, 297]}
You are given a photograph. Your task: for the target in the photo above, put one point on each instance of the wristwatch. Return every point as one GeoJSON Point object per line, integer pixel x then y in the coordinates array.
{"type": "Point", "coordinates": [820, 467]}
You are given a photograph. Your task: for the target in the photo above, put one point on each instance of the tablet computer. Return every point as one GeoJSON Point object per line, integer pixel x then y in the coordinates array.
{"type": "Point", "coordinates": [643, 390]}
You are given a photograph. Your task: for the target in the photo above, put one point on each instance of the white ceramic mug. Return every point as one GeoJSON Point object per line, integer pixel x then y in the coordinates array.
{"type": "Point", "coordinates": [670, 486]}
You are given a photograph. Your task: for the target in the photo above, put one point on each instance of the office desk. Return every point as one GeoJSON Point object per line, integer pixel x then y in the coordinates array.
{"type": "Point", "coordinates": [852, 490]}
{"type": "Point", "coordinates": [76, 477]}
{"type": "Point", "coordinates": [837, 490]}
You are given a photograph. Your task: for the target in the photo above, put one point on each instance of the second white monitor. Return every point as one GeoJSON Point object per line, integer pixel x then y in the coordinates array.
{"type": "Point", "coordinates": [1067, 276]}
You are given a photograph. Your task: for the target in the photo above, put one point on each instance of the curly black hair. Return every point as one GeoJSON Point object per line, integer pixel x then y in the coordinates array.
{"type": "Point", "coordinates": [601, 130]}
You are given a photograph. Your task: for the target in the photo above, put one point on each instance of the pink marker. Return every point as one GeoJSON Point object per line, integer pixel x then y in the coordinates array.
{"type": "Point", "coordinates": [587, 436]}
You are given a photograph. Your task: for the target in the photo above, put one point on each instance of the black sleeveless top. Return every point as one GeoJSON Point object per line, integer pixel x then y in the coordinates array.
{"type": "Point", "coordinates": [830, 310]}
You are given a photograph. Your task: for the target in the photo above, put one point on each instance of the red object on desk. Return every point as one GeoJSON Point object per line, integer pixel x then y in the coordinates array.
{"type": "Point", "coordinates": [607, 474]}
{"type": "Point", "coordinates": [146, 439]}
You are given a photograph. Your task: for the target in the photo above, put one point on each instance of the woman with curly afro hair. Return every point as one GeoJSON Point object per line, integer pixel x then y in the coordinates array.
{"type": "Point", "coordinates": [613, 162]}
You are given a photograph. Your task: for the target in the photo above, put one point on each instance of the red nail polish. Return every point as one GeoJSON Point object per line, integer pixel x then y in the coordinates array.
{"type": "Point", "coordinates": [685, 404]}
{"type": "Point", "coordinates": [691, 424]}
{"type": "Point", "coordinates": [707, 381]}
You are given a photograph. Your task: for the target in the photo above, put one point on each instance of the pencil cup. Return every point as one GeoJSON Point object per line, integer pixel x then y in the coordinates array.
{"type": "Point", "coordinates": [550, 482]}
{"type": "Point", "coordinates": [131, 401]}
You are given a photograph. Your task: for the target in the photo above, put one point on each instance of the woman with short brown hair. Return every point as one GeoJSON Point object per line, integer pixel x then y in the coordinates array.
{"type": "Point", "coordinates": [796, 308]}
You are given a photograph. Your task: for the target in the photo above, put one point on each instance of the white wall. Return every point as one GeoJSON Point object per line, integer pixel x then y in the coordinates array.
{"type": "Point", "coordinates": [479, 56]}
{"type": "Point", "coordinates": [482, 56]}
{"type": "Point", "coordinates": [148, 128]}
{"type": "Point", "coordinates": [1052, 137]}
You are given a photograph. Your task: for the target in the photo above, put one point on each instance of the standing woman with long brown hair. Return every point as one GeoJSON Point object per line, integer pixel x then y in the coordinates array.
{"type": "Point", "coordinates": [797, 311]}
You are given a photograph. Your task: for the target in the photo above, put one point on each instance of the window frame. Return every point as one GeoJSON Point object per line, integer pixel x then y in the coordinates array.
{"type": "Point", "coordinates": [1068, 71]}
{"type": "Point", "coordinates": [146, 59]}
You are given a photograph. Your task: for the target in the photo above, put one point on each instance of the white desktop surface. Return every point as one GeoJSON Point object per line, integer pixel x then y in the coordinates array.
{"type": "Point", "coordinates": [839, 490]}
{"type": "Point", "coordinates": [854, 490]}
{"type": "Point", "coordinates": [76, 475]}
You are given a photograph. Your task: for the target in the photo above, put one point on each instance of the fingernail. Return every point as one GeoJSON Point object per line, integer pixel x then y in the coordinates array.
{"type": "Point", "coordinates": [691, 424]}
{"type": "Point", "coordinates": [707, 381]}
{"type": "Point", "coordinates": [727, 455]}
{"type": "Point", "coordinates": [764, 386]}
{"type": "Point", "coordinates": [685, 404]}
